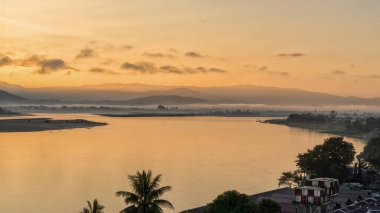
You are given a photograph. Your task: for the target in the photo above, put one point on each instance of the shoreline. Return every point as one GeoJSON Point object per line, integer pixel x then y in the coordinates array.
{"type": "Point", "coordinates": [147, 115]}
{"type": "Point", "coordinates": [320, 128]}
{"type": "Point", "coordinates": [44, 124]}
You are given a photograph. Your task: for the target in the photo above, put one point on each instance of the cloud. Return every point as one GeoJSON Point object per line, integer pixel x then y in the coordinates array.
{"type": "Point", "coordinates": [30, 61]}
{"type": "Point", "coordinates": [158, 55]}
{"type": "Point", "coordinates": [150, 68]}
{"type": "Point", "coordinates": [107, 61]}
{"type": "Point", "coordinates": [369, 76]}
{"type": "Point", "coordinates": [339, 72]}
{"type": "Point", "coordinates": [194, 55]}
{"type": "Point", "coordinates": [263, 68]}
{"type": "Point", "coordinates": [45, 66]}
{"type": "Point", "coordinates": [190, 70]}
{"type": "Point", "coordinates": [250, 66]}
{"type": "Point", "coordinates": [48, 66]}
{"type": "Point", "coordinates": [142, 67]}
{"type": "Point", "coordinates": [171, 69]}
{"type": "Point", "coordinates": [290, 55]}
{"type": "Point", "coordinates": [266, 70]}
{"type": "Point", "coordinates": [24, 62]}
{"type": "Point", "coordinates": [126, 47]}
{"type": "Point", "coordinates": [100, 70]}
{"type": "Point", "coordinates": [5, 60]}
{"type": "Point", "coordinates": [99, 45]}
{"type": "Point", "coordinates": [87, 53]}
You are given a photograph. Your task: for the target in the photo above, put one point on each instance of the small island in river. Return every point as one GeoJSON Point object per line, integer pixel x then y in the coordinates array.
{"type": "Point", "coordinates": [44, 124]}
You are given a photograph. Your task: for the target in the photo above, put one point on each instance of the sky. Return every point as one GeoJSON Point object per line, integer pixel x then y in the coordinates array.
{"type": "Point", "coordinates": [328, 46]}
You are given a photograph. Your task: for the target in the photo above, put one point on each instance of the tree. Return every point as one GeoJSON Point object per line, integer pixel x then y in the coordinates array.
{"type": "Point", "coordinates": [95, 207]}
{"type": "Point", "coordinates": [330, 159]}
{"type": "Point", "coordinates": [371, 152]}
{"type": "Point", "coordinates": [268, 206]}
{"type": "Point", "coordinates": [290, 179]}
{"type": "Point", "coordinates": [231, 202]}
{"type": "Point", "coordinates": [145, 195]}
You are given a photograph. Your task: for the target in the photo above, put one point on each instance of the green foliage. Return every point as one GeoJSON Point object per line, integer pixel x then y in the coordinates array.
{"type": "Point", "coordinates": [290, 179]}
{"type": "Point", "coordinates": [145, 195]}
{"type": "Point", "coordinates": [95, 207]}
{"type": "Point", "coordinates": [330, 159]}
{"type": "Point", "coordinates": [231, 202]}
{"type": "Point", "coordinates": [371, 153]}
{"type": "Point", "coordinates": [268, 206]}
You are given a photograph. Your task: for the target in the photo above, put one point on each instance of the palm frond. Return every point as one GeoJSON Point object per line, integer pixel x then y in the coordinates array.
{"type": "Point", "coordinates": [130, 198]}
{"type": "Point", "coordinates": [155, 194]}
{"type": "Point", "coordinates": [164, 203]}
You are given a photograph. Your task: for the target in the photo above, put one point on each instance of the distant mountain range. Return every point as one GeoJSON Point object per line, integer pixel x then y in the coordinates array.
{"type": "Point", "coordinates": [140, 94]}
{"type": "Point", "coordinates": [6, 97]}
{"type": "Point", "coordinates": [166, 100]}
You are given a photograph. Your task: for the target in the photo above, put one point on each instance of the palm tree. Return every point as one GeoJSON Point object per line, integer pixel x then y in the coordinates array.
{"type": "Point", "coordinates": [145, 195]}
{"type": "Point", "coordinates": [95, 207]}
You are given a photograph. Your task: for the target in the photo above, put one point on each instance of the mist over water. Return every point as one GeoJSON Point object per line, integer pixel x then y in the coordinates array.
{"type": "Point", "coordinates": [200, 157]}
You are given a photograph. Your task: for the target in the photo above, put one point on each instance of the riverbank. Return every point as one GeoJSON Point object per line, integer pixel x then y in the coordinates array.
{"type": "Point", "coordinates": [44, 124]}
{"type": "Point", "coordinates": [319, 127]}
{"type": "Point", "coordinates": [189, 114]}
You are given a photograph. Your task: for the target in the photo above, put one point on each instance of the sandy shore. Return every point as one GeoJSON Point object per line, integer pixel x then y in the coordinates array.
{"type": "Point", "coordinates": [44, 124]}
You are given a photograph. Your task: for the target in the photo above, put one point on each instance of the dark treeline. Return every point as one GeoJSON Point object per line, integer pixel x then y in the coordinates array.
{"type": "Point", "coordinates": [310, 118]}
{"type": "Point", "coordinates": [366, 125]}
{"type": "Point", "coordinates": [7, 112]}
{"type": "Point", "coordinates": [355, 123]}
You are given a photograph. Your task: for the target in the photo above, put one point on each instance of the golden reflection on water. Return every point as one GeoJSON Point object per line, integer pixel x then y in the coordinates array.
{"type": "Point", "coordinates": [57, 171]}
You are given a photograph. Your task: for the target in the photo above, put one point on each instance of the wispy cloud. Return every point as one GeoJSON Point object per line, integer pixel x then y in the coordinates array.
{"type": "Point", "coordinates": [157, 55]}
{"type": "Point", "coordinates": [87, 53]}
{"type": "Point", "coordinates": [369, 76]}
{"type": "Point", "coordinates": [100, 70]}
{"type": "Point", "coordinates": [126, 47]}
{"type": "Point", "coordinates": [290, 55]}
{"type": "Point", "coordinates": [150, 68]}
{"type": "Point", "coordinates": [192, 54]}
{"type": "Point", "coordinates": [266, 70]}
{"type": "Point", "coordinates": [5, 60]}
{"type": "Point", "coordinates": [339, 72]}
{"type": "Point", "coordinates": [48, 66]}
{"type": "Point", "coordinates": [142, 67]}
{"type": "Point", "coordinates": [45, 65]}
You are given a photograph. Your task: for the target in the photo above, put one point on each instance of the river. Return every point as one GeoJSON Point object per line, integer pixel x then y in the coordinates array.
{"type": "Point", "coordinates": [200, 157]}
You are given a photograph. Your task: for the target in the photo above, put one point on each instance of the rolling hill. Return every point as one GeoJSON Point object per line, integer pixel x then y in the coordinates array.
{"type": "Point", "coordinates": [6, 97]}
{"type": "Point", "coordinates": [166, 100]}
{"type": "Point", "coordinates": [136, 94]}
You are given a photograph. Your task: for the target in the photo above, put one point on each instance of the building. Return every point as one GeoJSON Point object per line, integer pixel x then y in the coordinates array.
{"type": "Point", "coordinates": [317, 196]}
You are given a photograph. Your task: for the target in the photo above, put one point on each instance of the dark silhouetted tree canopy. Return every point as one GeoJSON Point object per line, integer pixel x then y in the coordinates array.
{"type": "Point", "coordinates": [371, 152]}
{"type": "Point", "coordinates": [290, 179]}
{"type": "Point", "coordinates": [268, 206]}
{"type": "Point", "coordinates": [231, 202]}
{"type": "Point", "coordinates": [330, 159]}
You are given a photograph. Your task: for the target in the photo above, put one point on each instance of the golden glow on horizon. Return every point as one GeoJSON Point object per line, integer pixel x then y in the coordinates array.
{"type": "Point", "coordinates": [329, 47]}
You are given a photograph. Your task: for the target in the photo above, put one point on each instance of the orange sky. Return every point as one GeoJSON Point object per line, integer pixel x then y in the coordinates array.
{"type": "Point", "coordinates": [328, 46]}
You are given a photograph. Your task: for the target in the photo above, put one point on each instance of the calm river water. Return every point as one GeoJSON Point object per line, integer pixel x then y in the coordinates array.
{"type": "Point", "coordinates": [200, 157]}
